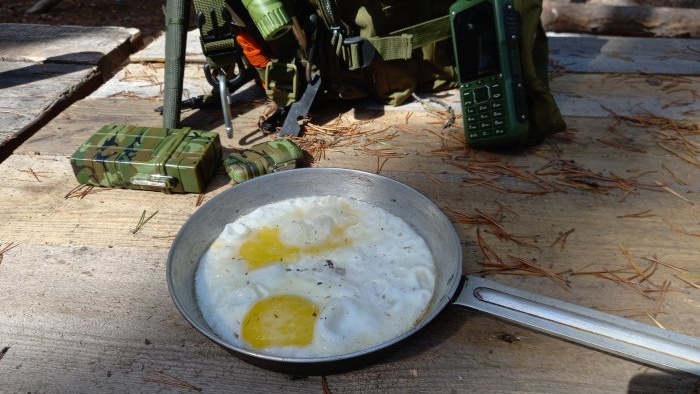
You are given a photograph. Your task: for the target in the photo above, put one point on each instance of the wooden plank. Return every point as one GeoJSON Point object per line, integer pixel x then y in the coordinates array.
{"type": "Point", "coordinates": [115, 325]}
{"type": "Point", "coordinates": [132, 95]}
{"type": "Point", "coordinates": [618, 20]}
{"type": "Point", "coordinates": [593, 95]}
{"type": "Point", "coordinates": [670, 96]}
{"type": "Point", "coordinates": [44, 68]}
{"type": "Point", "coordinates": [100, 46]}
{"type": "Point", "coordinates": [155, 51]}
{"type": "Point", "coordinates": [146, 81]}
{"type": "Point", "coordinates": [32, 91]}
{"type": "Point", "coordinates": [55, 177]}
{"type": "Point", "coordinates": [603, 54]}
{"type": "Point", "coordinates": [419, 152]}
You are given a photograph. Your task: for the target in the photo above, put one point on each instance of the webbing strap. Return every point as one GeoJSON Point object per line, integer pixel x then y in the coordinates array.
{"type": "Point", "coordinates": [217, 51]}
{"type": "Point", "coordinates": [177, 13]}
{"type": "Point", "coordinates": [399, 45]}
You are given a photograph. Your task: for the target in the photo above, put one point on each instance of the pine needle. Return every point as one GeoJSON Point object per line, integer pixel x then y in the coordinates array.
{"type": "Point", "coordinates": [169, 380]}
{"type": "Point", "coordinates": [558, 279]}
{"type": "Point", "coordinates": [667, 265]}
{"type": "Point", "coordinates": [143, 221]}
{"type": "Point", "coordinates": [653, 318]}
{"type": "Point", "coordinates": [630, 259]}
{"type": "Point", "coordinates": [562, 238]}
{"type": "Point", "coordinates": [5, 248]}
{"type": "Point", "coordinates": [680, 230]}
{"type": "Point", "coordinates": [695, 285]}
{"type": "Point", "coordinates": [675, 193]}
{"type": "Point", "coordinates": [638, 215]}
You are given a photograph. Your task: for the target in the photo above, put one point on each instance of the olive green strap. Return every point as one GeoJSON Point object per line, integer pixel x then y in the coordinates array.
{"type": "Point", "coordinates": [399, 45]}
{"type": "Point", "coordinates": [216, 49]}
{"type": "Point", "coordinates": [177, 12]}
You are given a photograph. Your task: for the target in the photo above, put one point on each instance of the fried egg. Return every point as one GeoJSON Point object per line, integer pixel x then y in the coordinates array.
{"type": "Point", "coordinates": [314, 277]}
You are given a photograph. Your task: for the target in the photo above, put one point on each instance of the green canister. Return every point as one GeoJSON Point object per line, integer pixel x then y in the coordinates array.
{"type": "Point", "coordinates": [269, 16]}
{"type": "Point", "coordinates": [148, 158]}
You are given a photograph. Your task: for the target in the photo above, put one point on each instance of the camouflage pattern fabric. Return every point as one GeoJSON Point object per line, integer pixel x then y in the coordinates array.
{"type": "Point", "coordinates": [148, 158]}
{"type": "Point", "coordinates": [262, 159]}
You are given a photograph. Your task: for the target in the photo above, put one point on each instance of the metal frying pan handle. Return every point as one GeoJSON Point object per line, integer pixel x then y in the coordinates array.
{"type": "Point", "coordinates": [614, 334]}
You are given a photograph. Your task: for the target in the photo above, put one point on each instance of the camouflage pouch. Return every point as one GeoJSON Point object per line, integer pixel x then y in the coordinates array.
{"type": "Point", "coordinates": [545, 118]}
{"type": "Point", "coordinates": [261, 159]}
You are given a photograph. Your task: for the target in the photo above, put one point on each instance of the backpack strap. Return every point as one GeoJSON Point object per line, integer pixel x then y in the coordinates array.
{"type": "Point", "coordinates": [217, 39]}
{"type": "Point", "coordinates": [226, 68]}
{"type": "Point", "coordinates": [399, 45]}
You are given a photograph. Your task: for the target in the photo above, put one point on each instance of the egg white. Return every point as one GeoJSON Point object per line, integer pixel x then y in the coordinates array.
{"type": "Point", "coordinates": [368, 292]}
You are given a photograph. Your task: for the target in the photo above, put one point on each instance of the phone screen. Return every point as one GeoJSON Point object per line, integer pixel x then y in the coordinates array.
{"type": "Point", "coordinates": [477, 40]}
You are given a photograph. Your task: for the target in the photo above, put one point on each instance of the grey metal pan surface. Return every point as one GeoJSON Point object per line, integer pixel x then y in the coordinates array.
{"type": "Point", "coordinates": [610, 333]}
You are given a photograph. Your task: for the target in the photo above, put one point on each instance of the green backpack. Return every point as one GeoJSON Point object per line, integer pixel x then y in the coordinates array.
{"type": "Point", "coordinates": [381, 49]}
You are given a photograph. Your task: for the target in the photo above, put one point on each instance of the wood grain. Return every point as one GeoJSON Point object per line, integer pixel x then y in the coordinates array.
{"type": "Point", "coordinates": [45, 68]}
{"type": "Point", "coordinates": [620, 20]}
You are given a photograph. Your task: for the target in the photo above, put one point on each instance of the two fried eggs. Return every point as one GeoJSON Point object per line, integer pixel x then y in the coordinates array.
{"type": "Point", "coordinates": [314, 277]}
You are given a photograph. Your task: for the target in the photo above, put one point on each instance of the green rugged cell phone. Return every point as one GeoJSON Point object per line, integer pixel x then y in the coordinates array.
{"type": "Point", "coordinates": [485, 36]}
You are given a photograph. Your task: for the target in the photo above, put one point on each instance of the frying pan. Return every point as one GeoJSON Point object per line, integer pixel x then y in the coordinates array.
{"type": "Point", "coordinates": [606, 332]}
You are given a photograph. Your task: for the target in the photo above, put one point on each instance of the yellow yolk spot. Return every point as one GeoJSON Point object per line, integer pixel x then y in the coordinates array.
{"type": "Point", "coordinates": [265, 247]}
{"type": "Point", "coordinates": [283, 320]}
{"type": "Point", "coordinates": [335, 240]}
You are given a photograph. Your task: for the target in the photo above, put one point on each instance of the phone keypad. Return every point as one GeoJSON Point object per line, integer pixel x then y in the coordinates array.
{"type": "Point", "coordinates": [484, 107]}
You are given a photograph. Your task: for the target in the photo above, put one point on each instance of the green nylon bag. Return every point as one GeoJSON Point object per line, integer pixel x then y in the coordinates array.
{"type": "Point", "coordinates": [412, 48]}
{"type": "Point", "coordinates": [545, 117]}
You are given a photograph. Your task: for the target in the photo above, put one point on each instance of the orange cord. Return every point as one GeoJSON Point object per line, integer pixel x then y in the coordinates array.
{"type": "Point", "coordinates": [252, 50]}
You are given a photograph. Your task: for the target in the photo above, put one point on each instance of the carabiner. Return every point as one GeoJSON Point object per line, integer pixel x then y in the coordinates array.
{"type": "Point", "coordinates": [225, 104]}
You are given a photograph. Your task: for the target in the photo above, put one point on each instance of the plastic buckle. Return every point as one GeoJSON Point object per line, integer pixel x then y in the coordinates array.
{"type": "Point", "coordinates": [282, 81]}
{"type": "Point", "coordinates": [225, 53]}
{"type": "Point", "coordinates": [361, 50]}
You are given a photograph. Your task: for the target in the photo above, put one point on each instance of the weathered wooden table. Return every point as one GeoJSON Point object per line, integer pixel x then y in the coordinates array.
{"type": "Point", "coordinates": [608, 209]}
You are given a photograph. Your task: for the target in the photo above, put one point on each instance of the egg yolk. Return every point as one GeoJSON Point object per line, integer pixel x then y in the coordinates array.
{"type": "Point", "coordinates": [282, 320]}
{"type": "Point", "coordinates": [265, 247]}
{"type": "Point", "coordinates": [335, 240]}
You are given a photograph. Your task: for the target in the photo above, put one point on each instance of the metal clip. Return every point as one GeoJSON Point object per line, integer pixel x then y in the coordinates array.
{"type": "Point", "coordinates": [225, 104]}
